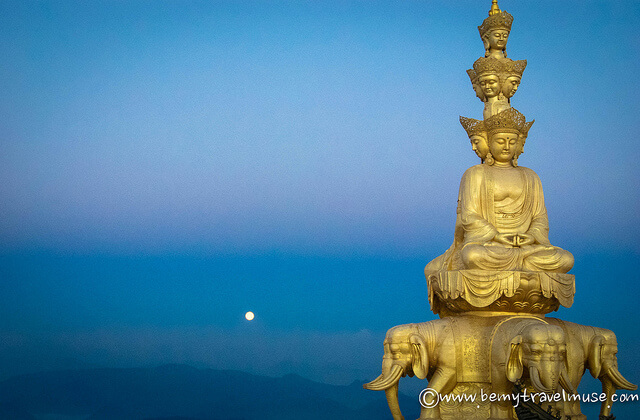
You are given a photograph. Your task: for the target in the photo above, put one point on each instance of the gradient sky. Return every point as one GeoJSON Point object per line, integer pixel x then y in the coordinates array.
{"type": "Point", "coordinates": [167, 166]}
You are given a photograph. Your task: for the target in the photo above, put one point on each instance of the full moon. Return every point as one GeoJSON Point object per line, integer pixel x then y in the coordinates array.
{"type": "Point", "coordinates": [249, 315]}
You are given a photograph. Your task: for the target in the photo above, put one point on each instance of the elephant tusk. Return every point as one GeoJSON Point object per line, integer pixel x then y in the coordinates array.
{"type": "Point", "coordinates": [375, 381]}
{"type": "Point", "coordinates": [535, 380]}
{"type": "Point", "coordinates": [566, 383]}
{"type": "Point", "coordinates": [618, 380]}
{"type": "Point", "coordinates": [382, 382]}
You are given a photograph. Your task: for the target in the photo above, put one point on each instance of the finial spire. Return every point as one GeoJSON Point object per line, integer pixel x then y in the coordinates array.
{"type": "Point", "coordinates": [494, 8]}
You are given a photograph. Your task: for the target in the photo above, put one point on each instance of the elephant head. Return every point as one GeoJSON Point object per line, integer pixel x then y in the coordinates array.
{"type": "Point", "coordinates": [405, 353]}
{"type": "Point", "coordinates": [603, 362]}
{"type": "Point", "coordinates": [603, 365]}
{"type": "Point", "coordinates": [542, 349]}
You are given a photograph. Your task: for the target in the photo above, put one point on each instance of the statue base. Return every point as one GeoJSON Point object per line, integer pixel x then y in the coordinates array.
{"type": "Point", "coordinates": [499, 366]}
{"type": "Point", "coordinates": [532, 292]}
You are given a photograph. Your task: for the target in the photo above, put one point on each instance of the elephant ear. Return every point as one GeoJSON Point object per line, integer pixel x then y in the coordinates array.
{"type": "Point", "coordinates": [595, 355]}
{"type": "Point", "coordinates": [515, 367]}
{"type": "Point", "coordinates": [419, 356]}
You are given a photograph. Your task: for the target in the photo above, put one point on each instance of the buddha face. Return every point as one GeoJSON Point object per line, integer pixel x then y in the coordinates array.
{"type": "Point", "coordinates": [497, 39]}
{"type": "Point", "coordinates": [503, 146]}
{"type": "Point", "coordinates": [479, 145]}
{"type": "Point", "coordinates": [522, 138]}
{"type": "Point", "coordinates": [490, 85]}
{"type": "Point", "coordinates": [511, 86]}
{"type": "Point", "coordinates": [478, 90]}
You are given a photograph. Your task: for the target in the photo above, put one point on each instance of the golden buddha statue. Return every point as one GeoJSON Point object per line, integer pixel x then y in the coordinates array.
{"type": "Point", "coordinates": [503, 221]}
{"type": "Point", "coordinates": [502, 208]}
{"type": "Point", "coordinates": [495, 285]}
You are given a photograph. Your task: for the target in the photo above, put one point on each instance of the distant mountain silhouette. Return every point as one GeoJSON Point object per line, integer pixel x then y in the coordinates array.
{"type": "Point", "coordinates": [179, 392]}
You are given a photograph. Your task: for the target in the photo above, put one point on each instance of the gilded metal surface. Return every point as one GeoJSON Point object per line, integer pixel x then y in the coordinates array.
{"type": "Point", "coordinates": [494, 286]}
{"type": "Point", "coordinates": [455, 291]}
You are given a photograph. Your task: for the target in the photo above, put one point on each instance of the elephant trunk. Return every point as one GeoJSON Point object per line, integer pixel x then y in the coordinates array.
{"type": "Point", "coordinates": [392, 400]}
{"type": "Point", "coordinates": [608, 389]}
{"type": "Point", "coordinates": [386, 380]}
{"type": "Point", "coordinates": [618, 380]}
{"type": "Point", "coordinates": [535, 380]}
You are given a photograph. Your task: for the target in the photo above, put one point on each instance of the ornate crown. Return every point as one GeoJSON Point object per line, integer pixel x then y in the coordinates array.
{"type": "Point", "coordinates": [515, 67]}
{"type": "Point", "coordinates": [488, 65]}
{"type": "Point", "coordinates": [472, 126]}
{"type": "Point", "coordinates": [472, 75]}
{"type": "Point", "coordinates": [526, 127]}
{"type": "Point", "coordinates": [508, 120]}
{"type": "Point", "coordinates": [497, 19]}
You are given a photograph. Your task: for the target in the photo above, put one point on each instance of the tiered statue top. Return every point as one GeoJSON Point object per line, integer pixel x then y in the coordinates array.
{"type": "Point", "coordinates": [501, 223]}
{"type": "Point", "coordinates": [494, 77]}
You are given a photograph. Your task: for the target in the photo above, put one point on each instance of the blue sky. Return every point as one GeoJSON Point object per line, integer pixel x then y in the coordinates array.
{"type": "Point", "coordinates": [167, 166]}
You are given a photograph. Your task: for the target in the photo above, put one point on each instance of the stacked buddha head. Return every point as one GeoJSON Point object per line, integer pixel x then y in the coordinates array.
{"type": "Point", "coordinates": [479, 134]}
{"type": "Point", "coordinates": [494, 32]}
{"type": "Point", "coordinates": [508, 128]}
{"type": "Point", "coordinates": [495, 82]}
{"type": "Point", "coordinates": [511, 77]}
{"type": "Point", "coordinates": [494, 77]}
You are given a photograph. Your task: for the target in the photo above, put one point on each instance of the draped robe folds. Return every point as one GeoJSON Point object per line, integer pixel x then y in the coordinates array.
{"type": "Point", "coordinates": [480, 218]}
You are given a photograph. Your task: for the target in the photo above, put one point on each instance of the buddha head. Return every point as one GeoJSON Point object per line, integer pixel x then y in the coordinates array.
{"type": "Point", "coordinates": [510, 86]}
{"type": "Point", "coordinates": [490, 85]}
{"type": "Point", "coordinates": [488, 74]}
{"type": "Point", "coordinates": [503, 145]}
{"type": "Point", "coordinates": [494, 32]}
{"type": "Point", "coordinates": [480, 145]}
{"type": "Point", "coordinates": [474, 82]}
{"type": "Point", "coordinates": [506, 132]}
{"type": "Point", "coordinates": [477, 135]}
{"type": "Point", "coordinates": [496, 39]}
{"type": "Point", "coordinates": [512, 77]}
{"type": "Point", "coordinates": [524, 133]}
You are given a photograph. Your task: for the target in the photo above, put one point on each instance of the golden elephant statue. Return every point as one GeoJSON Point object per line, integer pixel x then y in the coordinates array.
{"type": "Point", "coordinates": [595, 349]}
{"type": "Point", "coordinates": [525, 349]}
